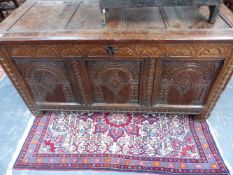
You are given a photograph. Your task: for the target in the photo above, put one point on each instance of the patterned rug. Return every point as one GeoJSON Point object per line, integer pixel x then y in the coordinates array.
{"type": "Point", "coordinates": [154, 143]}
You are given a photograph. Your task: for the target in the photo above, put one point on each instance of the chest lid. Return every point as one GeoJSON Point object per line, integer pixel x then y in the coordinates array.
{"type": "Point", "coordinates": [80, 21]}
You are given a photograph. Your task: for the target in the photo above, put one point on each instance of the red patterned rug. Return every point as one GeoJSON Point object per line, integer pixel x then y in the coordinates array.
{"type": "Point", "coordinates": [155, 143]}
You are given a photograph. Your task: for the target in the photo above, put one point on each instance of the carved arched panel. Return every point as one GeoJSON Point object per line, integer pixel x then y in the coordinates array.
{"type": "Point", "coordinates": [115, 81]}
{"type": "Point", "coordinates": [186, 82]}
{"type": "Point", "coordinates": [47, 80]}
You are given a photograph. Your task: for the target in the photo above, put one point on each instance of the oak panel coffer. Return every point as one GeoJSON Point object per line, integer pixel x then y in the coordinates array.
{"type": "Point", "coordinates": [60, 56]}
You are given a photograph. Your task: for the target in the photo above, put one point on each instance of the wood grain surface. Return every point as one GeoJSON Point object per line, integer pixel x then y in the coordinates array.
{"type": "Point", "coordinates": [59, 56]}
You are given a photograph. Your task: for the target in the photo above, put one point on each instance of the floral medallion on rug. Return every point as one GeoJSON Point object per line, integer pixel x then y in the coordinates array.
{"type": "Point", "coordinates": [152, 143]}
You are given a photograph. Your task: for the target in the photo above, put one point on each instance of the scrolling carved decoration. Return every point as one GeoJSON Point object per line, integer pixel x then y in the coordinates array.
{"type": "Point", "coordinates": [189, 70]}
{"type": "Point", "coordinates": [137, 50]}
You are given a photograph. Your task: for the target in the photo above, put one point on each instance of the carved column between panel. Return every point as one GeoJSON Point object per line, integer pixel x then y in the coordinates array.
{"type": "Point", "coordinates": [82, 80]}
{"type": "Point", "coordinates": [149, 81]}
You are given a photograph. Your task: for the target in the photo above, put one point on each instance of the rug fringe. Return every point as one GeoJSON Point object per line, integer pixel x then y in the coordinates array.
{"type": "Point", "coordinates": [213, 131]}
{"type": "Point", "coordinates": [20, 144]}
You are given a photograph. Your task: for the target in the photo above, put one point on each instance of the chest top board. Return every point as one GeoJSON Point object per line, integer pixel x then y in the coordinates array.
{"type": "Point", "coordinates": [60, 56]}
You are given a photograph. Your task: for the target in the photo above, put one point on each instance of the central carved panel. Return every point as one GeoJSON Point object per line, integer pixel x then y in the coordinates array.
{"type": "Point", "coordinates": [115, 81]}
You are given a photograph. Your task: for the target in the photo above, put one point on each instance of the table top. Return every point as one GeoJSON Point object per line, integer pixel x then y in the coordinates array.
{"type": "Point", "coordinates": [75, 21]}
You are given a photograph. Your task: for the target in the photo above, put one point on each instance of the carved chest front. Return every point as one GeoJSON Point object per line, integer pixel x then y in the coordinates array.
{"type": "Point", "coordinates": [155, 64]}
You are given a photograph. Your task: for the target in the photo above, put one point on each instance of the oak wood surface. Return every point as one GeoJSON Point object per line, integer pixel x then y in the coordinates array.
{"type": "Point", "coordinates": [60, 57]}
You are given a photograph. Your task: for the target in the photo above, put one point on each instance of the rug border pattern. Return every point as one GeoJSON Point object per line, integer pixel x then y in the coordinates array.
{"type": "Point", "coordinates": [124, 168]}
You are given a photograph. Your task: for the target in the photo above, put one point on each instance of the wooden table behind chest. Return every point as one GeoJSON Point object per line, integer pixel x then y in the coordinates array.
{"type": "Point", "coordinates": [122, 74]}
